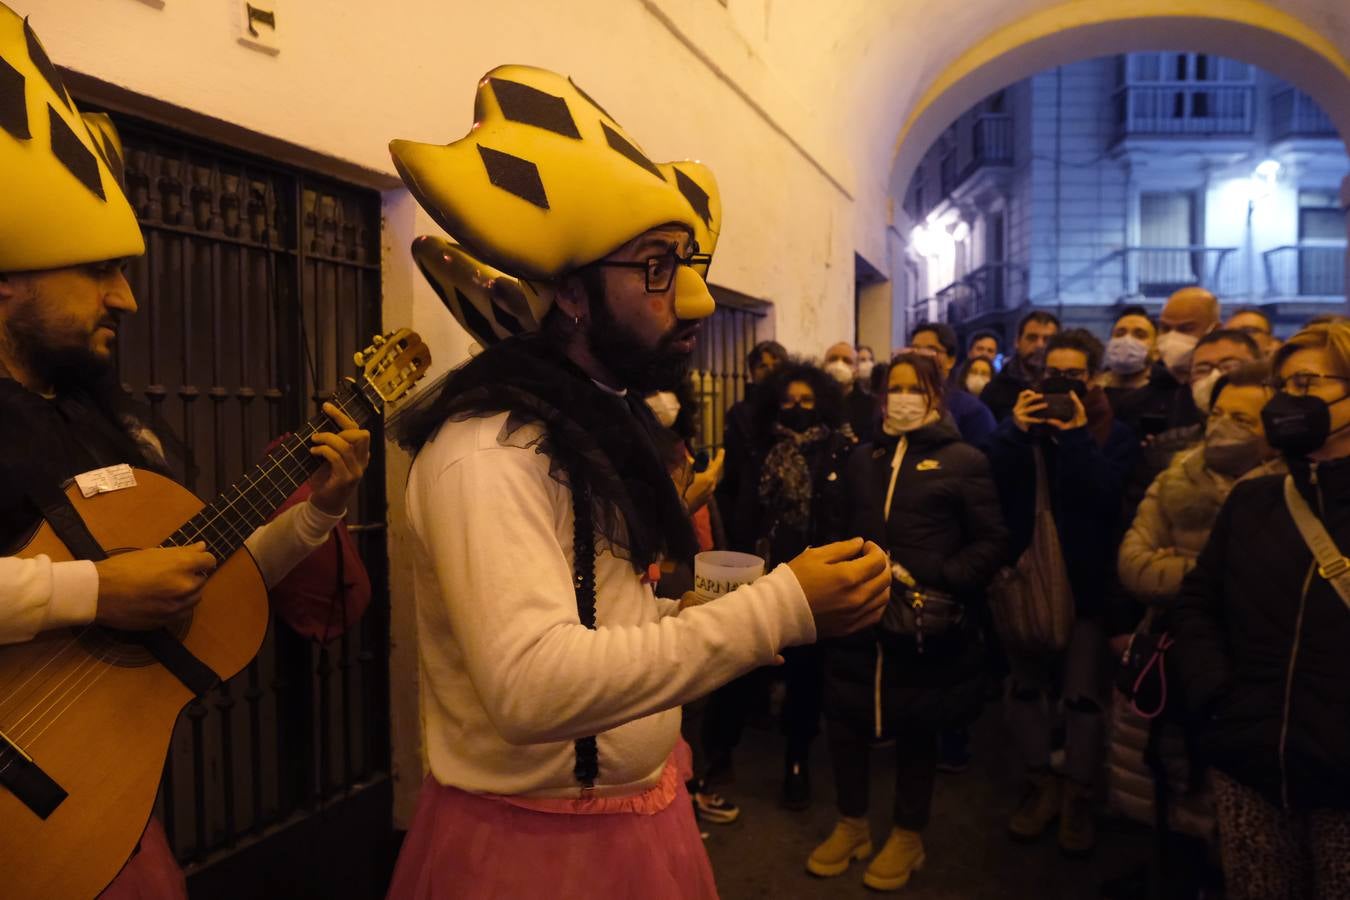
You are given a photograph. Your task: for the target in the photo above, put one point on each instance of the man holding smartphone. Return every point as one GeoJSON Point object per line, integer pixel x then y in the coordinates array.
{"type": "Point", "coordinates": [1088, 456]}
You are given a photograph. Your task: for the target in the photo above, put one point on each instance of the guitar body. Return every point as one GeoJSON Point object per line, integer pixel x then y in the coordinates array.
{"type": "Point", "coordinates": [96, 714]}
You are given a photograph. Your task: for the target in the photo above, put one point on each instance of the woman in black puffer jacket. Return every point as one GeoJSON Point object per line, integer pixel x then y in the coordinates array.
{"type": "Point", "coordinates": [944, 530]}
{"type": "Point", "coordinates": [1262, 653]}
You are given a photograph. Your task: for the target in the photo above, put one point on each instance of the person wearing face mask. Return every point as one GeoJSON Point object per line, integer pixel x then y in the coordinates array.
{"type": "Point", "coordinates": [1087, 457]}
{"type": "Point", "coordinates": [1024, 369]}
{"type": "Point", "coordinates": [1169, 531]}
{"type": "Point", "coordinates": [974, 375]}
{"type": "Point", "coordinates": [1217, 353]}
{"type": "Point", "coordinates": [738, 439]}
{"type": "Point", "coordinates": [973, 419]}
{"type": "Point", "coordinates": [841, 363]}
{"type": "Point", "coordinates": [1127, 365]}
{"type": "Point", "coordinates": [867, 364]}
{"type": "Point", "coordinates": [930, 501]}
{"type": "Point", "coordinates": [796, 496]}
{"type": "Point", "coordinates": [1262, 643]}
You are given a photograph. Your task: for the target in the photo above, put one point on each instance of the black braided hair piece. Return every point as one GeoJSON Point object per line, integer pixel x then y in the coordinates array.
{"type": "Point", "coordinates": [587, 766]}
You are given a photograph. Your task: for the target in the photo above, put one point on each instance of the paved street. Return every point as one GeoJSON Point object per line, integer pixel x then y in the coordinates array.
{"type": "Point", "coordinates": [969, 856]}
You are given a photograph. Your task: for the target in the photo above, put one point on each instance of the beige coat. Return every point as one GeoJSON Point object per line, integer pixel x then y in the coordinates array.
{"type": "Point", "coordinates": [1173, 524]}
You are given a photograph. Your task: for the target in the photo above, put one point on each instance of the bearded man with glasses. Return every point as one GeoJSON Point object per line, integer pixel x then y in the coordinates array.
{"type": "Point", "coordinates": [541, 510]}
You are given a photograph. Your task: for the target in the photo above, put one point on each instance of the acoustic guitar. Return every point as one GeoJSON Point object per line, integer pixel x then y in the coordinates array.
{"type": "Point", "coordinates": [86, 714]}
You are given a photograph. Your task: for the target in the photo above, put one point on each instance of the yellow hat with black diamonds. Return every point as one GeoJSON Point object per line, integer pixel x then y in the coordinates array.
{"type": "Point", "coordinates": [61, 203]}
{"type": "Point", "coordinates": [545, 183]}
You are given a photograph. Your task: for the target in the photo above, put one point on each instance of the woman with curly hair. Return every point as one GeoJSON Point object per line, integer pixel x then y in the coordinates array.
{"type": "Point", "coordinates": [793, 504]}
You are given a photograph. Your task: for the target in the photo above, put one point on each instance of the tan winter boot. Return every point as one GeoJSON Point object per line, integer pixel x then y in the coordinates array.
{"type": "Point", "coordinates": [1039, 808]}
{"type": "Point", "coordinates": [1077, 821]}
{"type": "Point", "coordinates": [850, 840]}
{"type": "Point", "coordinates": [901, 857]}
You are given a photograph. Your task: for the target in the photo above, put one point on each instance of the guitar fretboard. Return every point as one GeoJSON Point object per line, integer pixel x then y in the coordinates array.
{"type": "Point", "coordinates": [227, 521]}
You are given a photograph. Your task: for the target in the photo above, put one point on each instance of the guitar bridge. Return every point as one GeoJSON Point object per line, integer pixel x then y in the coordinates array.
{"type": "Point", "coordinates": [26, 780]}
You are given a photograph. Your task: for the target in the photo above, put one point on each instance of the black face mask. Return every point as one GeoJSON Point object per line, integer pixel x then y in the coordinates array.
{"type": "Point", "coordinates": [1297, 426]}
{"type": "Point", "coordinates": [1061, 385]}
{"type": "Point", "coordinates": [798, 418]}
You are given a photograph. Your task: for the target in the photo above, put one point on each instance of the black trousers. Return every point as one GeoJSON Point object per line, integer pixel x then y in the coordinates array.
{"type": "Point", "coordinates": [915, 770]}
{"type": "Point", "coordinates": [804, 669]}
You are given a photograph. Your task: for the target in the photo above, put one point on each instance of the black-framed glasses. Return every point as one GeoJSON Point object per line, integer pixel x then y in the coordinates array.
{"type": "Point", "coordinates": [661, 269]}
{"type": "Point", "coordinates": [1301, 383]}
{"type": "Point", "coordinates": [1071, 374]}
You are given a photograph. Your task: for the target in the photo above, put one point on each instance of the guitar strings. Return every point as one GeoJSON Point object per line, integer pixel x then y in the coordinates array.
{"type": "Point", "coordinates": [98, 662]}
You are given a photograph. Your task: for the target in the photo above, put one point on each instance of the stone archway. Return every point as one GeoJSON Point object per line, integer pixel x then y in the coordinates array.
{"type": "Point", "coordinates": [1255, 32]}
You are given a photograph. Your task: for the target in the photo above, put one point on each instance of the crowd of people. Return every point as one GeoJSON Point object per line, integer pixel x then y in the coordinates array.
{"type": "Point", "coordinates": [1163, 456]}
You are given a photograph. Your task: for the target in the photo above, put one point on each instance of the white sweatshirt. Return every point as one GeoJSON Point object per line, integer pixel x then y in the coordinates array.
{"type": "Point", "coordinates": [509, 675]}
{"type": "Point", "coordinates": [37, 594]}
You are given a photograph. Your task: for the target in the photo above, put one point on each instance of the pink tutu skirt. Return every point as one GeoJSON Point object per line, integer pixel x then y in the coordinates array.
{"type": "Point", "coordinates": [151, 874]}
{"type": "Point", "coordinates": [482, 847]}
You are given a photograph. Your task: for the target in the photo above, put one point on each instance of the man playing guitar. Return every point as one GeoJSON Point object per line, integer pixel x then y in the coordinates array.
{"type": "Point", "coordinates": [66, 231]}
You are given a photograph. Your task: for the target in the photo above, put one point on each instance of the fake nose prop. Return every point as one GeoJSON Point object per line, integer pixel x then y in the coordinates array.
{"type": "Point", "coordinates": [692, 299]}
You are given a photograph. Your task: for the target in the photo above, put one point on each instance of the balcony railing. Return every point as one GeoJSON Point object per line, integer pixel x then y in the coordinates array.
{"type": "Point", "coordinates": [990, 288]}
{"type": "Point", "coordinates": [918, 313]}
{"type": "Point", "coordinates": [993, 140]}
{"type": "Point", "coordinates": [1158, 271]}
{"type": "Point", "coordinates": [1295, 114]}
{"type": "Point", "coordinates": [1183, 109]}
{"type": "Point", "coordinates": [1305, 270]}
{"type": "Point", "coordinates": [991, 145]}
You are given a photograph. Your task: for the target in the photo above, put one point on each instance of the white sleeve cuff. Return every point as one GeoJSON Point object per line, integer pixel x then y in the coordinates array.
{"type": "Point", "coordinates": [74, 594]}
{"type": "Point", "coordinates": [313, 524]}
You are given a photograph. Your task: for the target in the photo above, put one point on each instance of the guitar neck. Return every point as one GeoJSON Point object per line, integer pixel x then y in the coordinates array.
{"type": "Point", "coordinates": [227, 521]}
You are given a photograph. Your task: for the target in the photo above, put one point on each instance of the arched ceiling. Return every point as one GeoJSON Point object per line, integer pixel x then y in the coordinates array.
{"type": "Point", "coordinates": [870, 72]}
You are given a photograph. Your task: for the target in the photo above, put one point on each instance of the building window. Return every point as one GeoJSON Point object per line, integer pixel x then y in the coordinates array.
{"type": "Point", "coordinates": [1165, 259]}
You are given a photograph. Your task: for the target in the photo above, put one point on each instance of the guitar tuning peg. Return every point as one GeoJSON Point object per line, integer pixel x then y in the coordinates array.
{"type": "Point", "coordinates": [378, 340]}
{"type": "Point", "coordinates": [359, 357]}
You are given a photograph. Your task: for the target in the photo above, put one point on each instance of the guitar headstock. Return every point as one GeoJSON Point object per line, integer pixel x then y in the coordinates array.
{"type": "Point", "coordinates": [393, 363]}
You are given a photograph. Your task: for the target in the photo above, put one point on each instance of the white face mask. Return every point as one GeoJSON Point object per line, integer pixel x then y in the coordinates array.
{"type": "Point", "coordinates": [904, 413]}
{"type": "Point", "coordinates": [977, 383]}
{"type": "Point", "coordinates": [865, 367]}
{"type": "Point", "coordinates": [1175, 349]}
{"type": "Point", "coordinates": [1202, 390]}
{"type": "Point", "coordinates": [665, 406]}
{"type": "Point", "coordinates": [840, 371]}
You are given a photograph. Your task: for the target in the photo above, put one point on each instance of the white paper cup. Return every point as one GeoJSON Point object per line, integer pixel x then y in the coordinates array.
{"type": "Point", "coordinates": [718, 572]}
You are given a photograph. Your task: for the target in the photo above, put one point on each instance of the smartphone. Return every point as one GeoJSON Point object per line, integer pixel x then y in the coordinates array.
{"type": "Point", "coordinates": [701, 461]}
{"type": "Point", "coordinates": [1058, 407]}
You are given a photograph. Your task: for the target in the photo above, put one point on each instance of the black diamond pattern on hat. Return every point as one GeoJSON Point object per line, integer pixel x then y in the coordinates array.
{"type": "Point", "coordinates": [511, 173]}
{"type": "Point", "coordinates": [13, 103]}
{"type": "Point", "coordinates": [474, 320]}
{"type": "Point", "coordinates": [697, 197]}
{"type": "Point", "coordinates": [589, 99]}
{"type": "Point", "coordinates": [617, 143]}
{"type": "Point", "coordinates": [110, 156]}
{"type": "Point", "coordinates": [524, 104]}
{"type": "Point", "coordinates": [44, 65]}
{"type": "Point", "coordinates": [74, 155]}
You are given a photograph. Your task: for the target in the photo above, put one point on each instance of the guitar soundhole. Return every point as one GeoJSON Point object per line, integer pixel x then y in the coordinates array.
{"type": "Point", "coordinates": [117, 648]}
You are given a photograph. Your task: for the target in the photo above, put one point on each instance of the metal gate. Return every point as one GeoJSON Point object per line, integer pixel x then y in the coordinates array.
{"type": "Point", "coordinates": [258, 284]}
{"type": "Point", "coordinates": [719, 372]}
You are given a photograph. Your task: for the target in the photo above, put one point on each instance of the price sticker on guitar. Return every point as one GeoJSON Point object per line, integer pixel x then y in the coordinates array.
{"type": "Point", "coordinates": [105, 480]}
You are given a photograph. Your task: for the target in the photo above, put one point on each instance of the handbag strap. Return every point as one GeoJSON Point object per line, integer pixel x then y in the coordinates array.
{"type": "Point", "coordinates": [1042, 480]}
{"type": "Point", "coordinates": [896, 462]}
{"type": "Point", "coordinates": [1331, 563]}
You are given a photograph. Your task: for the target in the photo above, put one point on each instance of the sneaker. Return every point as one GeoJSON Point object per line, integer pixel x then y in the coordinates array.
{"type": "Point", "coordinates": [899, 859]}
{"type": "Point", "coordinates": [954, 751]}
{"type": "Point", "coordinates": [1077, 820]}
{"type": "Point", "coordinates": [797, 787]}
{"type": "Point", "coordinates": [710, 807]}
{"type": "Point", "coordinates": [850, 840]}
{"type": "Point", "coordinates": [1038, 809]}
